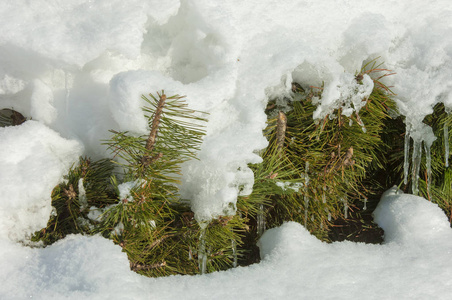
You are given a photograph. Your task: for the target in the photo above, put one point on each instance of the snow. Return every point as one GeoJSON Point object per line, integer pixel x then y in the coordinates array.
{"type": "Point", "coordinates": [296, 265]}
{"type": "Point", "coordinates": [83, 201]}
{"type": "Point", "coordinates": [77, 68]}
{"type": "Point", "coordinates": [33, 160]}
{"type": "Point", "coordinates": [346, 93]}
{"type": "Point", "coordinates": [125, 189]}
{"type": "Point", "coordinates": [52, 273]}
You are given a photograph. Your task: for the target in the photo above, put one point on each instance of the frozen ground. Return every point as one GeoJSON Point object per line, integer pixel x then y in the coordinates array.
{"type": "Point", "coordinates": [78, 68]}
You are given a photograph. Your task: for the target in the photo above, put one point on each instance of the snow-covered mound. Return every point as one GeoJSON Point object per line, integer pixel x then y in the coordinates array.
{"type": "Point", "coordinates": [33, 159]}
{"type": "Point", "coordinates": [77, 68]}
{"type": "Point", "coordinates": [411, 264]}
{"type": "Point", "coordinates": [80, 67]}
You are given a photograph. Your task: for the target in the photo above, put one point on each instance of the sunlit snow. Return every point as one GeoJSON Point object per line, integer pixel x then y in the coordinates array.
{"type": "Point", "coordinates": [77, 68]}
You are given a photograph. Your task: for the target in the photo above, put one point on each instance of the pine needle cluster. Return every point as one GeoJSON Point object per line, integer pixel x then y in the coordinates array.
{"type": "Point", "coordinates": [134, 198]}
{"type": "Point", "coordinates": [314, 172]}
{"type": "Point", "coordinates": [328, 163]}
{"type": "Point", "coordinates": [138, 206]}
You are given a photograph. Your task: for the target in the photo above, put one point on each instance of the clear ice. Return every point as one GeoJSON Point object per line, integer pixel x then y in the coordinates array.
{"type": "Point", "coordinates": [202, 255]}
{"type": "Point", "coordinates": [361, 123]}
{"type": "Point", "coordinates": [428, 161]}
{"type": "Point", "coordinates": [234, 253]}
{"type": "Point", "coordinates": [446, 144]}
{"type": "Point", "coordinates": [406, 164]}
{"type": "Point", "coordinates": [417, 154]}
{"type": "Point", "coordinates": [345, 207]}
{"type": "Point", "coordinates": [190, 255]}
{"type": "Point", "coordinates": [260, 221]}
{"type": "Point", "coordinates": [83, 202]}
{"type": "Point", "coordinates": [306, 198]}
{"type": "Point", "coordinates": [420, 134]}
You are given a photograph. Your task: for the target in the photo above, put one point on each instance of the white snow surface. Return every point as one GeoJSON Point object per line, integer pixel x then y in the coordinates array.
{"type": "Point", "coordinates": [33, 160]}
{"type": "Point", "coordinates": [78, 68]}
{"type": "Point", "coordinates": [411, 264]}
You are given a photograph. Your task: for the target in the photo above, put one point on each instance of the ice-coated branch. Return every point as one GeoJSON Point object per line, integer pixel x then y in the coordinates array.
{"type": "Point", "coordinates": [446, 144]}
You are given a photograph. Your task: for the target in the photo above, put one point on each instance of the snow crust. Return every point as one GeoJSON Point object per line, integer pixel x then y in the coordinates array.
{"type": "Point", "coordinates": [78, 68]}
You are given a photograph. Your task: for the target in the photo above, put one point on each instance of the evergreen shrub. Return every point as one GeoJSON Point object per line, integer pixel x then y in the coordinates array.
{"type": "Point", "coordinates": [325, 174]}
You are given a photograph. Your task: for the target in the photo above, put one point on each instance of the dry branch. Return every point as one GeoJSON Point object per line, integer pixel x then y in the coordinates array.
{"type": "Point", "coordinates": [281, 127]}
{"type": "Point", "coordinates": [150, 143]}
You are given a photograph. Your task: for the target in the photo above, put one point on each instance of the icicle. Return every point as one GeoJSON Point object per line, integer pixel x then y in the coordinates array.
{"type": "Point", "coordinates": [428, 161]}
{"type": "Point", "coordinates": [365, 204]}
{"type": "Point", "coordinates": [446, 144]}
{"type": "Point", "coordinates": [83, 202]}
{"type": "Point", "coordinates": [324, 198]}
{"type": "Point", "coordinates": [345, 207]}
{"type": "Point", "coordinates": [190, 255]}
{"type": "Point", "coordinates": [329, 217]}
{"type": "Point", "coordinates": [53, 212]}
{"type": "Point", "coordinates": [417, 154]}
{"type": "Point", "coordinates": [360, 123]}
{"type": "Point", "coordinates": [306, 198]}
{"type": "Point", "coordinates": [306, 203]}
{"type": "Point", "coordinates": [234, 253]}
{"type": "Point", "coordinates": [202, 255]}
{"type": "Point", "coordinates": [406, 164]}
{"type": "Point", "coordinates": [260, 221]}
{"type": "Point", "coordinates": [312, 218]}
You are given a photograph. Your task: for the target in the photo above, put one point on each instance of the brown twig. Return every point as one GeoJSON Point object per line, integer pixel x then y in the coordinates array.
{"type": "Point", "coordinates": [338, 162]}
{"type": "Point", "coordinates": [348, 161]}
{"type": "Point", "coordinates": [156, 243]}
{"type": "Point", "coordinates": [150, 143]}
{"type": "Point", "coordinates": [281, 127]}
{"type": "Point", "coordinates": [144, 267]}
{"type": "Point", "coordinates": [155, 123]}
